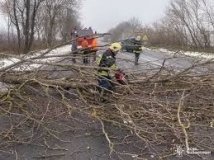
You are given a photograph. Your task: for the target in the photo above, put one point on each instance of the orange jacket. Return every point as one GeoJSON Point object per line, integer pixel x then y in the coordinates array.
{"type": "Point", "coordinates": [94, 44]}
{"type": "Point", "coordinates": [84, 43]}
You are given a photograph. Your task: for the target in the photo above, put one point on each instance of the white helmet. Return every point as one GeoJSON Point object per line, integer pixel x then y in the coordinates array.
{"type": "Point", "coordinates": [138, 38]}
{"type": "Point", "coordinates": [115, 47]}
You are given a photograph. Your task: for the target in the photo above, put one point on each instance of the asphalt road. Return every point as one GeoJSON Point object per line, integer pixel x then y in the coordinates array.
{"type": "Point", "coordinates": [88, 143]}
{"type": "Point", "coordinates": [152, 59]}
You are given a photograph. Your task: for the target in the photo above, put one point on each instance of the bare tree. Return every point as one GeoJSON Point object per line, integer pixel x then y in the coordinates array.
{"type": "Point", "coordinates": [186, 24]}
{"type": "Point", "coordinates": [56, 18]}
{"type": "Point", "coordinates": [23, 14]}
{"type": "Point", "coordinates": [40, 20]}
{"type": "Point", "coordinates": [125, 29]}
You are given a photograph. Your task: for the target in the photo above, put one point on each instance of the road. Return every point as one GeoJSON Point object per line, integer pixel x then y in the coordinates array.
{"type": "Point", "coordinates": [152, 59]}
{"type": "Point", "coordinates": [88, 142]}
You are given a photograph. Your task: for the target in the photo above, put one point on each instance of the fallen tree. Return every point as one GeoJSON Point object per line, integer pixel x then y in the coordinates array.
{"type": "Point", "coordinates": [159, 114]}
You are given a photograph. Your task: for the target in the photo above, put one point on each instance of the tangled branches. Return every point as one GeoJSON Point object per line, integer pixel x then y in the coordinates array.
{"type": "Point", "coordinates": [56, 110]}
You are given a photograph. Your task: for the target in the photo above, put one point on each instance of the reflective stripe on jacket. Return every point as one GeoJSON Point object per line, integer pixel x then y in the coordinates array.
{"type": "Point", "coordinates": [107, 60]}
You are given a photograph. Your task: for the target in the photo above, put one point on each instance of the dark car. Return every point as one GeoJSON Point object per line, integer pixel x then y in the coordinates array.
{"type": "Point", "coordinates": [131, 45]}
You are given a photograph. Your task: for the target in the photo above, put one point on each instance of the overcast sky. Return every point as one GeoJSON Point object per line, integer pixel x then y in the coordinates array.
{"type": "Point", "coordinates": [105, 14]}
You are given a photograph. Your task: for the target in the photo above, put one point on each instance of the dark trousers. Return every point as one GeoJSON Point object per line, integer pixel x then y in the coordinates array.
{"type": "Point", "coordinates": [74, 54]}
{"type": "Point", "coordinates": [85, 57]}
{"type": "Point", "coordinates": [94, 54]}
{"type": "Point", "coordinates": [105, 83]}
{"type": "Point", "coordinates": [137, 56]}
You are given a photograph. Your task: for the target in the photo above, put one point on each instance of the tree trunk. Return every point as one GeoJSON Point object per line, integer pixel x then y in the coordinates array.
{"type": "Point", "coordinates": [17, 25]}
{"type": "Point", "coordinates": [27, 26]}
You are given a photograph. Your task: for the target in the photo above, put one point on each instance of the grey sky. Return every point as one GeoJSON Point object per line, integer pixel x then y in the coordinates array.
{"type": "Point", "coordinates": [105, 14]}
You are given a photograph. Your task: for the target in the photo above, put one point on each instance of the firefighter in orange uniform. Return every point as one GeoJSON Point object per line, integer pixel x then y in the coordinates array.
{"type": "Point", "coordinates": [85, 46]}
{"type": "Point", "coordinates": [94, 48]}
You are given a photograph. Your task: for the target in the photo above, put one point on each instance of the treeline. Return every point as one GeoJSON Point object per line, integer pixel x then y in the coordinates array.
{"type": "Point", "coordinates": [187, 24]}
{"type": "Point", "coordinates": [37, 23]}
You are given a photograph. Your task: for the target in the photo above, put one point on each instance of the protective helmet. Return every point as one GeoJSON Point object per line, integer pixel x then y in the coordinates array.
{"type": "Point", "coordinates": [115, 47]}
{"type": "Point", "coordinates": [138, 38]}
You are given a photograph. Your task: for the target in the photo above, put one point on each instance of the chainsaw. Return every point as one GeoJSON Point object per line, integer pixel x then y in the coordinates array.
{"type": "Point", "coordinates": [121, 77]}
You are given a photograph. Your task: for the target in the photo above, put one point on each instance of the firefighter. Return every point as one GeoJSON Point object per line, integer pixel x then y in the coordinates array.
{"type": "Point", "coordinates": [94, 48]}
{"type": "Point", "coordinates": [85, 46]}
{"type": "Point", "coordinates": [138, 49]}
{"type": "Point", "coordinates": [74, 37]}
{"type": "Point", "coordinates": [108, 61]}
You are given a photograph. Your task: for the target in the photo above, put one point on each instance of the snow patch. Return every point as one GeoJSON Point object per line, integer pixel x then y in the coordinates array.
{"type": "Point", "coordinates": [207, 56]}
{"type": "Point", "coordinates": [203, 55]}
{"type": "Point", "coordinates": [30, 65]}
{"type": "Point", "coordinates": [7, 62]}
